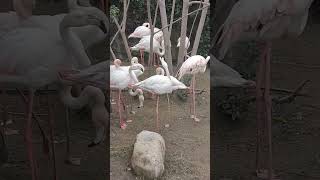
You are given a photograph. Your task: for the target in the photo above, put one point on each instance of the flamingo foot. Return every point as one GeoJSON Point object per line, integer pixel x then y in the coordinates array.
{"type": "Point", "coordinates": [123, 125]}
{"type": "Point", "coordinates": [195, 118]}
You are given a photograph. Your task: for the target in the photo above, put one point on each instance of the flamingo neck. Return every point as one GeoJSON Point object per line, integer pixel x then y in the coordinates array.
{"type": "Point", "coordinates": [74, 45]}
{"type": "Point", "coordinates": [133, 75]}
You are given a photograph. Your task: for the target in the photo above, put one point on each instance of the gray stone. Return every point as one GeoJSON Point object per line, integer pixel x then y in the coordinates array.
{"type": "Point", "coordinates": [148, 155]}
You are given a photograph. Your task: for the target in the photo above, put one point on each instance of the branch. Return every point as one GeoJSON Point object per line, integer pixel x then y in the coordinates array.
{"type": "Point", "coordinates": [195, 18]}
{"type": "Point", "coordinates": [183, 32]}
{"type": "Point", "coordinates": [124, 39]}
{"type": "Point", "coordinates": [293, 95]}
{"type": "Point", "coordinates": [152, 32]}
{"type": "Point", "coordinates": [199, 30]}
{"type": "Point", "coordinates": [179, 19]}
{"type": "Point", "coordinates": [198, 2]}
{"type": "Point", "coordinates": [112, 53]}
{"type": "Point", "coordinates": [126, 10]}
{"type": "Point", "coordinates": [171, 18]}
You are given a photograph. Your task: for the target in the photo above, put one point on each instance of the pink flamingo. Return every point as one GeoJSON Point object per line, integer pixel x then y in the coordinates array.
{"type": "Point", "coordinates": [158, 33]}
{"type": "Point", "coordinates": [160, 84]}
{"type": "Point", "coordinates": [144, 44]}
{"type": "Point", "coordinates": [120, 78]}
{"type": "Point", "coordinates": [193, 65]}
{"type": "Point", "coordinates": [265, 21]}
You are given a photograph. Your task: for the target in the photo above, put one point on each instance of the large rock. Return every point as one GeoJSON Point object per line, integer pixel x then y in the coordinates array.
{"type": "Point", "coordinates": [148, 155]}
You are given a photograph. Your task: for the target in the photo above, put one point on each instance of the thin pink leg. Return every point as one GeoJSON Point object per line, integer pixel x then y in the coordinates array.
{"type": "Point", "coordinates": [122, 124]}
{"type": "Point", "coordinates": [268, 109]}
{"type": "Point", "coordinates": [194, 98]}
{"type": "Point", "coordinates": [51, 121]}
{"type": "Point", "coordinates": [157, 111]}
{"type": "Point", "coordinates": [28, 136]}
{"type": "Point", "coordinates": [190, 96]}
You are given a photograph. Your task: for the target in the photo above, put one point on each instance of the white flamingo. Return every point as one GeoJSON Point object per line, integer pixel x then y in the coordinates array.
{"type": "Point", "coordinates": [193, 65]}
{"type": "Point", "coordinates": [160, 84]}
{"type": "Point", "coordinates": [144, 45]}
{"type": "Point", "coordinates": [158, 33]}
{"type": "Point", "coordinates": [89, 35]}
{"type": "Point", "coordinates": [263, 20]}
{"type": "Point", "coordinates": [37, 66]}
{"type": "Point", "coordinates": [120, 79]}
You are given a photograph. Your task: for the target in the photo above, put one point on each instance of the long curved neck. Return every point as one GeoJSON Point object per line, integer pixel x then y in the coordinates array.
{"type": "Point", "coordinates": [167, 71]}
{"type": "Point", "coordinates": [74, 45]}
{"type": "Point", "coordinates": [133, 75]}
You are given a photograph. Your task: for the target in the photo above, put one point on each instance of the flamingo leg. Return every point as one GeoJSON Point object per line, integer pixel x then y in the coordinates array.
{"type": "Point", "coordinates": [122, 124]}
{"type": "Point", "coordinates": [264, 109]}
{"type": "Point", "coordinates": [194, 98]}
{"type": "Point", "coordinates": [124, 105]}
{"type": "Point", "coordinates": [28, 136]}
{"type": "Point", "coordinates": [169, 108]}
{"type": "Point", "coordinates": [157, 112]}
{"type": "Point", "coordinates": [267, 99]}
{"type": "Point", "coordinates": [51, 122]}
{"type": "Point", "coordinates": [67, 127]}
{"type": "Point", "coordinates": [190, 95]}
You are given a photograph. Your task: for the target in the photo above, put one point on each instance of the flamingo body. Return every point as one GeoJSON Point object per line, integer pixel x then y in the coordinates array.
{"type": "Point", "coordinates": [193, 65]}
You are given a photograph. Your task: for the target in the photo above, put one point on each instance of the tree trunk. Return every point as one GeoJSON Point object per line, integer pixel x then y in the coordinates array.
{"type": "Point", "coordinates": [152, 32]}
{"type": "Point", "coordinates": [200, 28]}
{"type": "Point", "coordinates": [183, 33]}
{"type": "Point", "coordinates": [164, 23]}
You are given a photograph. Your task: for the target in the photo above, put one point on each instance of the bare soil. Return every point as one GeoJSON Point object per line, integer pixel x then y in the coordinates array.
{"type": "Point", "coordinates": [187, 142]}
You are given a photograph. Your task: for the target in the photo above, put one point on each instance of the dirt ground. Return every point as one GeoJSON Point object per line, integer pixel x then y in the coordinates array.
{"type": "Point", "coordinates": [187, 142]}
{"type": "Point", "coordinates": [82, 132]}
{"type": "Point", "coordinates": [295, 139]}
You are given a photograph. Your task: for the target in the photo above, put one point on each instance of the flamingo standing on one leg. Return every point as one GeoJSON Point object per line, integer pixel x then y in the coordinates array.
{"type": "Point", "coordinates": [187, 45]}
{"type": "Point", "coordinates": [160, 84]}
{"type": "Point", "coordinates": [120, 78]}
{"type": "Point", "coordinates": [263, 20]}
{"type": "Point", "coordinates": [193, 65]}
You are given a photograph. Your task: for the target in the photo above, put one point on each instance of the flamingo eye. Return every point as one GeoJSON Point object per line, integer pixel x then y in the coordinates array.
{"type": "Point", "coordinates": [190, 69]}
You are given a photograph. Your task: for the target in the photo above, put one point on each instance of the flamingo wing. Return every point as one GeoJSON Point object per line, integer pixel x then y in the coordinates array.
{"type": "Point", "coordinates": [259, 18]}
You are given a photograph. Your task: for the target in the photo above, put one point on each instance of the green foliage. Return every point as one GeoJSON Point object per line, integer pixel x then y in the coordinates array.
{"type": "Point", "coordinates": [114, 11]}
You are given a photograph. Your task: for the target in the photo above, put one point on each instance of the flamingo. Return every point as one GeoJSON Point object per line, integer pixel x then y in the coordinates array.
{"type": "Point", "coordinates": [160, 84]}
{"type": "Point", "coordinates": [121, 78]}
{"type": "Point", "coordinates": [193, 65]}
{"type": "Point", "coordinates": [263, 20]}
{"type": "Point", "coordinates": [89, 35]}
{"type": "Point", "coordinates": [144, 44]}
{"type": "Point", "coordinates": [158, 33]}
{"type": "Point", "coordinates": [187, 45]}
{"type": "Point", "coordinates": [35, 67]}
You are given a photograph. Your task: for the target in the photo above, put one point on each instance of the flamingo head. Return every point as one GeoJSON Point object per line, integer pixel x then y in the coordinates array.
{"type": "Point", "coordinates": [137, 66]}
{"type": "Point", "coordinates": [205, 64]}
{"type": "Point", "coordinates": [134, 60]}
{"type": "Point", "coordinates": [146, 25]}
{"type": "Point", "coordinates": [117, 62]}
{"type": "Point", "coordinates": [139, 32]}
{"type": "Point", "coordinates": [159, 71]}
